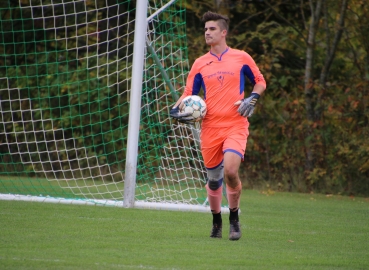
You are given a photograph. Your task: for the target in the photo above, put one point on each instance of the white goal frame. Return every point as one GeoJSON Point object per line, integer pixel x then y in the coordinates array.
{"type": "Point", "coordinates": [141, 47]}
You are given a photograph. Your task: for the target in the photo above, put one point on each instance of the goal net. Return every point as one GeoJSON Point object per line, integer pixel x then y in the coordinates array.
{"type": "Point", "coordinates": [65, 79]}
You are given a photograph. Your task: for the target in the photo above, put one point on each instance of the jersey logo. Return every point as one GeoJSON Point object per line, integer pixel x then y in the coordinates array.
{"type": "Point", "coordinates": [220, 80]}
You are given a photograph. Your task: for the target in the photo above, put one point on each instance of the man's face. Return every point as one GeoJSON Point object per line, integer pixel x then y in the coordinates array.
{"type": "Point", "coordinates": [213, 34]}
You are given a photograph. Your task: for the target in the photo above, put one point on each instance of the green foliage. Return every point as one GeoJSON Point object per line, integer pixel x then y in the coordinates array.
{"type": "Point", "coordinates": [282, 139]}
{"type": "Point", "coordinates": [64, 84]}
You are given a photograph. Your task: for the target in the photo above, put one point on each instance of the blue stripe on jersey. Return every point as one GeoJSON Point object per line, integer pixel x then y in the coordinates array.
{"type": "Point", "coordinates": [198, 82]}
{"type": "Point", "coordinates": [246, 71]}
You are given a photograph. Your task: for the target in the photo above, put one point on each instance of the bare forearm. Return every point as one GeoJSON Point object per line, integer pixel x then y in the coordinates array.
{"type": "Point", "coordinates": [258, 89]}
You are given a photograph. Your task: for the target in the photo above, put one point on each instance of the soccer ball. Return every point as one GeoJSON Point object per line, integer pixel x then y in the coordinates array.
{"type": "Point", "coordinates": [194, 105]}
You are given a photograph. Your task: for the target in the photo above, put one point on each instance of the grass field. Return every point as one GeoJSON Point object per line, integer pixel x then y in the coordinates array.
{"type": "Point", "coordinates": [280, 231]}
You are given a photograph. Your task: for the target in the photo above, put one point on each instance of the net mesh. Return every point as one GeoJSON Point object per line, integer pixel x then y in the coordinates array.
{"type": "Point", "coordinates": [65, 78]}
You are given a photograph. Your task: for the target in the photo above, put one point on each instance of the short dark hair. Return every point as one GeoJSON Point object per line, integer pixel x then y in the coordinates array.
{"type": "Point", "coordinates": [212, 16]}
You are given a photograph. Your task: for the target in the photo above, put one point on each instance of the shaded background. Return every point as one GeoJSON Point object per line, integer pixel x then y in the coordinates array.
{"type": "Point", "coordinates": [310, 130]}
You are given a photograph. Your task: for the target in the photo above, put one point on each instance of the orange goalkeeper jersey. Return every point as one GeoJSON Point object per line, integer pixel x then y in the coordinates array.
{"type": "Point", "coordinates": [222, 79]}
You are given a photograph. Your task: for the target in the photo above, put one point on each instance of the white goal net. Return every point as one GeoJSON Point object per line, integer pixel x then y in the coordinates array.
{"type": "Point", "coordinates": [65, 79]}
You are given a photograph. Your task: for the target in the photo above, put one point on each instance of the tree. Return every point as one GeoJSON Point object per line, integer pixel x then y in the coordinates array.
{"type": "Point", "coordinates": [309, 109]}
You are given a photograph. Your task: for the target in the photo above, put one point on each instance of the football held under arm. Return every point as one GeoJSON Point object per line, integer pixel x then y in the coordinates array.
{"type": "Point", "coordinates": [175, 112]}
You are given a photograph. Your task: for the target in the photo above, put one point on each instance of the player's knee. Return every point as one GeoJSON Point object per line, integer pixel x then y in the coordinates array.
{"type": "Point", "coordinates": [215, 177]}
{"type": "Point", "coordinates": [214, 185]}
{"type": "Point", "coordinates": [231, 174]}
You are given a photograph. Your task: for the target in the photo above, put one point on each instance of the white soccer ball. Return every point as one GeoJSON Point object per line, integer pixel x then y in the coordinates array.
{"type": "Point", "coordinates": [194, 105]}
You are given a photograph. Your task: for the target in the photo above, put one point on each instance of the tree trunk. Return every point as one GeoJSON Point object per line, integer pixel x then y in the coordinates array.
{"type": "Point", "coordinates": [309, 82]}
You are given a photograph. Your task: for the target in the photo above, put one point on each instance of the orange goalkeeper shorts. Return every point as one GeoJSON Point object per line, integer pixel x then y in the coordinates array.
{"type": "Point", "coordinates": [215, 141]}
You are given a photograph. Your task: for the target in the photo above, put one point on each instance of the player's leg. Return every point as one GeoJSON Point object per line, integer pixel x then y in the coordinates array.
{"type": "Point", "coordinates": [214, 188]}
{"type": "Point", "coordinates": [234, 150]}
{"type": "Point", "coordinates": [233, 184]}
{"type": "Point", "coordinates": [211, 148]}
{"type": "Point", "coordinates": [232, 163]}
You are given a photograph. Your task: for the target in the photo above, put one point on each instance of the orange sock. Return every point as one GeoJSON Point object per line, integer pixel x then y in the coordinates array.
{"type": "Point", "coordinates": [233, 195]}
{"type": "Point", "coordinates": [215, 199]}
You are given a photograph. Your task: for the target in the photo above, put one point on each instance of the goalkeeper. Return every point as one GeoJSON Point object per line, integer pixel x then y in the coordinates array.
{"type": "Point", "coordinates": [222, 74]}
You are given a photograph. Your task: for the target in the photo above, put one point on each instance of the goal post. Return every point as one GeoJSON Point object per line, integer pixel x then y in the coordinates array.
{"type": "Point", "coordinates": [134, 109]}
{"type": "Point", "coordinates": [85, 93]}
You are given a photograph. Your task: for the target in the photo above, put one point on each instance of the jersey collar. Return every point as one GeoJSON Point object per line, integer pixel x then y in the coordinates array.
{"type": "Point", "coordinates": [220, 57]}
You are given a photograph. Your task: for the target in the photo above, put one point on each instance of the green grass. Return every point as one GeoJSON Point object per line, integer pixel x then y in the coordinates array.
{"type": "Point", "coordinates": [280, 231]}
{"type": "Point", "coordinates": [98, 189]}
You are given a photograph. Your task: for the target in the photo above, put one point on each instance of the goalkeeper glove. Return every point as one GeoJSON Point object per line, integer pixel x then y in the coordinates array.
{"type": "Point", "coordinates": [247, 105]}
{"type": "Point", "coordinates": [181, 117]}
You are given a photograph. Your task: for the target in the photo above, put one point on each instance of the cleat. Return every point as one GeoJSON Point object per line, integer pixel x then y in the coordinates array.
{"type": "Point", "coordinates": [234, 230]}
{"type": "Point", "coordinates": [216, 231]}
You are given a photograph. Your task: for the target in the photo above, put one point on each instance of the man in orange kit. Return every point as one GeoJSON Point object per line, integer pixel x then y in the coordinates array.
{"type": "Point", "coordinates": [222, 73]}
